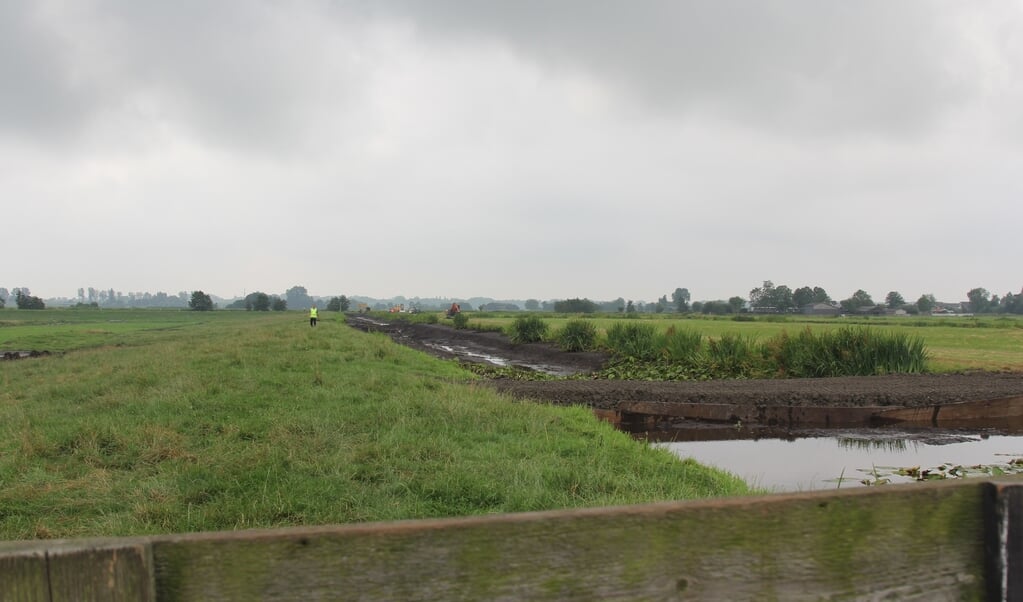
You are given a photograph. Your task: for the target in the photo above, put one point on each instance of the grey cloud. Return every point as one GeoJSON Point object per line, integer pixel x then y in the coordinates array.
{"type": "Point", "coordinates": [241, 73]}
{"type": "Point", "coordinates": [801, 66]}
{"type": "Point", "coordinates": [39, 93]}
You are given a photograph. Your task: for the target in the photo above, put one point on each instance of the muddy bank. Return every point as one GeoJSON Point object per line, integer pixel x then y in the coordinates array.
{"type": "Point", "coordinates": [916, 390]}
{"type": "Point", "coordinates": [494, 348]}
{"type": "Point", "coordinates": [901, 390]}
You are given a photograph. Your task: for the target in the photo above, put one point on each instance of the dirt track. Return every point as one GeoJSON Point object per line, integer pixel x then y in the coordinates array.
{"type": "Point", "coordinates": [444, 341]}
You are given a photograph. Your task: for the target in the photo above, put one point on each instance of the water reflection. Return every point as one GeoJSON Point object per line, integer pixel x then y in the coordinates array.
{"type": "Point", "coordinates": [890, 445]}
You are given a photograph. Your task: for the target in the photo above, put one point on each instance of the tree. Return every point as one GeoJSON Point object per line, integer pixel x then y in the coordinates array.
{"type": "Point", "coordinates": [630, 308]}
{"type": "Point", "coordinates": [1012, 304]}
{"type": "Point", "coordinates": [200, 302]}
{"type": "Point", "coordinates": [894, 300]}
{"type": "Point", "coordinates": [802, 296]}
{"type": "Point", "coordinates": [758, 295]}
{"type": "Point", "coordinates": [298, 298]}
{"type": "Point", "coordinates": [925, 303]}
{"type": "Point", "coordinates": [820, 295]}
{"type": "Point", "coordinates": [979, 301]}
{"type": "Point", "coordinates": [859, 299]}
{"type": "Point", "coordinates": [257, 301]}
{"type": "Point", "coordinates": [715, 307]}
{"type": "Point", "coordinates": [4, 294]}
{"type": "Point", "coordinates": [532, 305]}
{"type": "Point", "coordinates": [769, 297]}
{"type": "Point", "coordinates": [680, 299]}
{"type": "Point", "coordinates": [737, 304]}
{"type": "Point", "coordinates": [26, 301]}
{"type": "Point", "coordinates": [783, 298]}
{"type": "Point", "coordinates": [339, 304]}
{"type": "Point", "coordinates": [278, 304]}
{"type": "Point", "coordinates": [574, 306]}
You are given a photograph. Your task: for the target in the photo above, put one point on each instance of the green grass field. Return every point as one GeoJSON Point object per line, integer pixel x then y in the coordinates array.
{"type": "Point", "coordinates": [953, 344]}
{"type": "Point", "coordinates": [156, 421]}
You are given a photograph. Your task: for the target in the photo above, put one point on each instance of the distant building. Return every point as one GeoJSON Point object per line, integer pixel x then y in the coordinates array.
{"type": "Point", "coordinates": [820, 309]}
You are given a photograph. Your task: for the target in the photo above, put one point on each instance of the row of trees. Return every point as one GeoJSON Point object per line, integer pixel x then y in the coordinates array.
{"type": "Point", "coordinates": [764, 298]}
{"type": "Point", "coordinates": [782, 299]}
{"type": "Point", "coordinates": [23, 298]}
{"type": "Point", "coordinates": [295, 298]}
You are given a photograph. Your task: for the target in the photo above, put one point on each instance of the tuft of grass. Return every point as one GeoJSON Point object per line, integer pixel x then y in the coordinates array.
{"type": "Point", "coordinates": [528, 329]}
{"type": "Point", "coordinates": [638, 340]}
{"type": "Point", "coordinates": [578, 335]}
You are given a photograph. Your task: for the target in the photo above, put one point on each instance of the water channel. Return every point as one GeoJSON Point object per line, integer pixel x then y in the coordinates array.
{"type": "Point", "coordinates": [816, 460]}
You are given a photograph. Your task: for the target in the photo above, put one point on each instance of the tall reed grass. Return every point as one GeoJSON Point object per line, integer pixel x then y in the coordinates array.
{"type": "Point", "coordinates": [848, 351]}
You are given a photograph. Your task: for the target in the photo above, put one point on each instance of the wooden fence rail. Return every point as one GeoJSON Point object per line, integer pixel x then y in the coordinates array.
{"type": "Point", "coordinates": [944, 541]}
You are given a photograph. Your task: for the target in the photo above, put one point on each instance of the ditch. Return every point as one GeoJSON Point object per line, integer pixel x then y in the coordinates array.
{"type": "Point", "coordinates": [813, 460]}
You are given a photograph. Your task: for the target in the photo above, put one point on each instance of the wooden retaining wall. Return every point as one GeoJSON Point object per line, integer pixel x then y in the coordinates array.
{"type": "Point", "coordinates": [944, 541]}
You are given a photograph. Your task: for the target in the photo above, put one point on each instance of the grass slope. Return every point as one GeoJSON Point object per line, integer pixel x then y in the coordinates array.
{"type": "Point", "coordinates": [163, 421]}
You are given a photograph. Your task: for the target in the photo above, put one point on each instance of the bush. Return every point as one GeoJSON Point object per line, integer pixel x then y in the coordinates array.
{"type": "Point", "coordinates": [683, 345]}
{"type": "Point", "coordinates": [527, 329]}
{"type": "Point", "coordinates": [638, 341]}
{"type": "Point", "coordinates": [578, 335]}
{"type": "Point", "coordinates": [460, 321]}
{"type": "Point", "coordinates": [24, 301]}
{"type": "Point", "coordinates": [733, 355]}
{"type": "Point", "coordinates": [432, 318]}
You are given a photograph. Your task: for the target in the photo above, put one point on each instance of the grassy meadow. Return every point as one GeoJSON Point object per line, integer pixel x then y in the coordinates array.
{"type": "Point", "coordinates": [157, 421]}
{"type": "Point", "coordinates": [952, 343]}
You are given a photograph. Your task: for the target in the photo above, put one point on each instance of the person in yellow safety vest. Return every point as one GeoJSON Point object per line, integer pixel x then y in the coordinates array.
{"type": "Point", "coordinates": [312, 316]}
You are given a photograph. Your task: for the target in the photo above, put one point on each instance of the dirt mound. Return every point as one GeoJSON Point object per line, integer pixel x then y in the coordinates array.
{"type": "Point", "coordinates": [911, 390]}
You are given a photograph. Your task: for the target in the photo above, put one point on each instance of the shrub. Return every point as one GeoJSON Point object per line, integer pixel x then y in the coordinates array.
{"type": "Point", "coordinates": [683, 345]}
{"type": "Point", "coordinates": [527, 329]}
{"type": "Point", "coordinates": [638, 340]}
{"type": "Point", "coordinates": [432, 319]}
{"type": "Point", "coordinates": [460, 320]}
{"type": "Point", "coordinates": [578, 335]}
{"type": "Point", "coordinates": [733, 355]}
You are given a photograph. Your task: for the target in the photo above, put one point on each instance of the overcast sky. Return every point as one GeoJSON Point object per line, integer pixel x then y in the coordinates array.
{"type": "Point", "coordinates": [544, 149]}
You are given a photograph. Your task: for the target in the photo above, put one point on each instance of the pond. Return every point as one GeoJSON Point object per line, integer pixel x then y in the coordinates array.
{"type": "Point", "coordinates": [816, 460]}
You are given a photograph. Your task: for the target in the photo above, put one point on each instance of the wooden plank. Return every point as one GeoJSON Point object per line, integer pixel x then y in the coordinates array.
{"type": "Point", "coordinates": [1004, 536]}
{"type": "Point", "coordinates": [921, 541]}
{"type": "Point", "coordinates": [101, 571]}
{"type": "Point", "coordinates": [767, 415]}
{"type": "Point", "coordinates": [1006, 413]}
{"type": "Point", "coordinates": [23, 573]}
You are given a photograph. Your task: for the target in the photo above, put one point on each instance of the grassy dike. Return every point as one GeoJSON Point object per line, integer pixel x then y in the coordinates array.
{"type": "Point", "coordinates": [156, 422]}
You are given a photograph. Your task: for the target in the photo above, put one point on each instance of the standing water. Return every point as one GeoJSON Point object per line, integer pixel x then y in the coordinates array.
{"type": "Point", "coordinates": [852, 458]}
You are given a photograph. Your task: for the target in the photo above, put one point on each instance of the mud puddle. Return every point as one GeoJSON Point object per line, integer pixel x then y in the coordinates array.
{"type": "Point", "coordinates": [478, 356]}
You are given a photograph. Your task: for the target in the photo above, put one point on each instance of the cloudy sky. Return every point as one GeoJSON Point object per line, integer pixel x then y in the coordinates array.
{"type": "Point", "coordinates": [545, 149]}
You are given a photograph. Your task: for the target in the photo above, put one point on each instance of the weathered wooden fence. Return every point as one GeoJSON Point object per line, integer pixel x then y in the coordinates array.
{"type": "Point", "coordinates": [943, 541]}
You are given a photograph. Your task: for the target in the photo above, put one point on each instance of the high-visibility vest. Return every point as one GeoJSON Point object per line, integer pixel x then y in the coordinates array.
{"type": "Point", "coordinates": [312, 312]}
